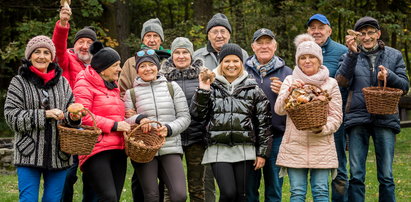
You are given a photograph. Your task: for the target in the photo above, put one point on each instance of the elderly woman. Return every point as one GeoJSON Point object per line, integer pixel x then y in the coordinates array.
{"type": "Point", "coordinates": [239, 122]}
{"type": "Point", "coordinates": [313, 150]}
{"type": "Point", "coordinates": [104, 169]}
{"type": "Point", "coordinates": [36, 100]}
{"type": "Point", "coordinates": [184, 70]}
{"type": "Point", "coordinates": [156, 99]}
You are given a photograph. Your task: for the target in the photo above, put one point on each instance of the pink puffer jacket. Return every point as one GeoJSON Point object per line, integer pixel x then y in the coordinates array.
{"type": "Point", "coordinates": [106, 106]}
{"type": "Point", "coordinates": [304, 149]}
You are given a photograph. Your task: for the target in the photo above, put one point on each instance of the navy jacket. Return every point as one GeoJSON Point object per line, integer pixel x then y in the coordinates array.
{"type": "Point", "coordinates": [281, 71]}
{"type": "Point", "coordinates": [358, 70]}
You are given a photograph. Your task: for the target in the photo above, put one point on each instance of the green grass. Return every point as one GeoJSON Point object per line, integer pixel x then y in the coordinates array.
{"type": "Point", "coordinates": [402, 176]}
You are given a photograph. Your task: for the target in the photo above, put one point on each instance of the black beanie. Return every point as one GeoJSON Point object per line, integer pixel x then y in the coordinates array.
{"type": "Point", "coordinates": [230, 49]}
{"type": "Point", "coordinates": [366, 21]}
{"type": "Point", "coordinates": [86, 32]}
{"type": "Point", "coordinates": [218, 19]}
{"type": "Point", "coordinates": [103, 57]}
{"type": "Point", "coordinates": [147, 58]}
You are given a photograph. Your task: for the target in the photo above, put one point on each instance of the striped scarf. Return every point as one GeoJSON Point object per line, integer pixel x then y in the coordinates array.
{"type": "Point", "coordinates": [263, 69]}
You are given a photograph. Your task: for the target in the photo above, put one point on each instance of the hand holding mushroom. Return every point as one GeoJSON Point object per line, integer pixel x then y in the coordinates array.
{"type": "Point", "coordinates": [76, 111]}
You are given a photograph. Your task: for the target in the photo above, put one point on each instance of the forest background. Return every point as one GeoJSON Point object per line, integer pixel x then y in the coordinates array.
{"type": "Point", "coordinates": [119, 23]}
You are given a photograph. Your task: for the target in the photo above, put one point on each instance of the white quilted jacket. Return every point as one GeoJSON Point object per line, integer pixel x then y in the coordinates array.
{"type": "Point", "coordinates": [153, 99]}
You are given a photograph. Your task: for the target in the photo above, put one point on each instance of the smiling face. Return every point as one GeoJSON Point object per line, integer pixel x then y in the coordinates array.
{"type": "Point", "coordinates": [369, 37]}
{"type": "Point", "coordinates": [309, 64]}
{"type": "Point", "coordinates": [319, 31]}
{"type": "Point", "coordinates": [81, 49]}
{"type": "Point", "coordinates": [264, 48]}
{"type": "Point", "coordinates": [41, 58]}
{"type": "Point", "coordinates": [231, 67]}
{"type": "Point", "coordinates": [111, 74]}
{"type": "Point", "coordinates": [181, 58]}
{"type": "Point", "coordinates": [152, 40]}
{"type": "Point", "coordinates": [147, 71]}
{"type": "Point", "coordinates": [218, 36]}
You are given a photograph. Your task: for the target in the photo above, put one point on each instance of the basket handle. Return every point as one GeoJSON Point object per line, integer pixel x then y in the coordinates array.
{"type": "Point", "coordinates": [385, 83]}
{"type": "Point", "coordinates": [92, 117]}
{"type": "Point", "coordinates": [139, 126]}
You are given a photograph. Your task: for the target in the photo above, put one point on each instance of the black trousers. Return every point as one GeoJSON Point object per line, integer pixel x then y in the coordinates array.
{"type": "Point", "coordinates": [105, 172]}
{"type": "Point", "coordinates": [232, 180]}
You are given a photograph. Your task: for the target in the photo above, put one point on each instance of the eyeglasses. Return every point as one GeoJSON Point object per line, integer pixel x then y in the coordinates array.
{"type": "Point", "coordinates": [45, 103]}
{"type": "Point", "coordinates": [369, 33]}
{"type": "Point", "coordinates": [221, 31]}
{"type": "Point", "coordinates": [145, 52]}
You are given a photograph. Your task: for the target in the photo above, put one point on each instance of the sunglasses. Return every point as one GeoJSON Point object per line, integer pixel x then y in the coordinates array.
{"type": "Point", "coordinates": [45, 102]}
{"type": "Point", "coordinates": [146, 52]}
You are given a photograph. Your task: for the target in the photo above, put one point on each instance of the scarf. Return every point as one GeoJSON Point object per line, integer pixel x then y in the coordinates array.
{"type": "Point", "coordinates": [317, 79]}
{"type": "Point", "coordinates": [45, 76]}
{"type": "Point", "coordinates": [264, 69]}
{"type": "Point", "coordinates": [110, 85]}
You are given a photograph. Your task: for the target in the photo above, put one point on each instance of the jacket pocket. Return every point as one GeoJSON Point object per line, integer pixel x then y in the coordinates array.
{"type": "Point", "coordinates": [25, 145]}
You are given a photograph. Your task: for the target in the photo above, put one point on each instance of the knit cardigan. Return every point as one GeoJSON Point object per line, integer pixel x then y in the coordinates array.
{"type": "Point", "coordinates": [36, 137]}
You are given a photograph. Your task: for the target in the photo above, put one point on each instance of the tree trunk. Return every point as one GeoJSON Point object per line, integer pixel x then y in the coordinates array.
{"type": "Point", "coordinates": [116, 19]}
{"type": "Point", "coordinates": [203, 11]}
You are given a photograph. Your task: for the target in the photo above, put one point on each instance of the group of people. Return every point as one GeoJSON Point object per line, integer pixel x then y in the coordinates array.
{"type": "Point", "coordinates": [232, 129]}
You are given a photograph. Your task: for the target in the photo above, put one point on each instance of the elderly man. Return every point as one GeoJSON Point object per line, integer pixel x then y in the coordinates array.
{"type": "Point", "coordinates": [218, 33]}
{"type": "Point", "coordinates": [263, 65]}
{"type": "Point", "coordinates": [152, 36]}
{"type": "Point", "coordinates": [367, 62]}
{"type": "Point", "coordinates": [72, 61]}
{"type": "Point", "coordinates": [319, 27]}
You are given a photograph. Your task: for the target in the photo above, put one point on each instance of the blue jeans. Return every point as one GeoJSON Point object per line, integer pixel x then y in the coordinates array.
{"type": "Point", "coordinates": [339, 185]}
{"type": "Point", "coordinates": [272, 182]}
{"type": "Point", "coordinates": [298, 184]}
{"type": "Point", "coordinates": [29, 182]}
{"type": "Point", "coordinates": [384, 141]}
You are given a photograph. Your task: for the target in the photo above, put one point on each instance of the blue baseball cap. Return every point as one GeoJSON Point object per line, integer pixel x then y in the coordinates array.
{"type": "Point", "coordinates": [319, 17]}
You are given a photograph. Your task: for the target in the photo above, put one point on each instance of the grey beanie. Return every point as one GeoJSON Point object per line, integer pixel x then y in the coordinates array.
{"type": "Point", "coordinates": [218, 19]}
{"type": "Point", "coordinates": [152, 25]}
{"type": "Point", "coordinates": [182, 42]}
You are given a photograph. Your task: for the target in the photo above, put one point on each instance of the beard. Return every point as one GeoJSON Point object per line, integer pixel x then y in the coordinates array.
{"type": "Point", "coordinates": [84, 58]}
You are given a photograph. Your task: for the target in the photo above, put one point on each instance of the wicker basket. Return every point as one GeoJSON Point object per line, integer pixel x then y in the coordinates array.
{"type": "Point", "coordinates": [79, 141]}
{"type": "Point", "coordinates": [309, 115]}
{"type": "Point", "coordinates": [142, 153]}
{"type": "Point", "coordinates": [382, 100]}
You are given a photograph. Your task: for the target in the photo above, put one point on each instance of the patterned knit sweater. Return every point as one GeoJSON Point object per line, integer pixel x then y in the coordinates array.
{"type": "Point", "coordinates": [36, 138]}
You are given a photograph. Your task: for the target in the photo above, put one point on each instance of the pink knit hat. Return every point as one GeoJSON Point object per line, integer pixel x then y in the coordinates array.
{"type": "Point", "coordinates": [40, 41]}
{"type": "Point", "coordinates": [305, 44]}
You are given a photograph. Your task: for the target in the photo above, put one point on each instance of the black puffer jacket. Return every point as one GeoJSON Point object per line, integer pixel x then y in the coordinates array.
{"type": "Point", "coordinates": [237, 116]}
{"type": "Point", "coordinates": [187, 79]}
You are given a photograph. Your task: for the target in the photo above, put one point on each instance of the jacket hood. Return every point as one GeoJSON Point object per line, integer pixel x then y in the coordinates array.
{"type": "Point", "coordinates": [169, 70]}
{"type": "Point", "coordinates": [26, 73]}
{"type": "Point", "coordinates": [231, 87]}
{"type": "Point", "coordinates": [93, 78]}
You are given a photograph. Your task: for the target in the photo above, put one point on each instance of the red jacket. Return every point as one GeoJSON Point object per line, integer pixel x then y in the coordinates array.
{"type": "Point", "coordinates": [66, 58]}
{"type": "Point", "coordinates": [106, 106]}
